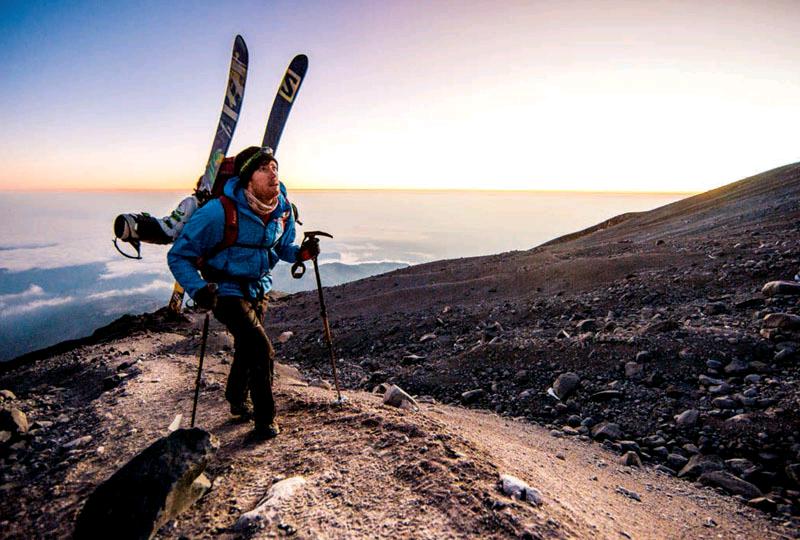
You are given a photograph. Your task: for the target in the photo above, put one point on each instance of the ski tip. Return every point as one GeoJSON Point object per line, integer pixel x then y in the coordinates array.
{"type": "Point", "coordinates": [300, 60]}
{"type": "Point", "coordinates": [240, 46]}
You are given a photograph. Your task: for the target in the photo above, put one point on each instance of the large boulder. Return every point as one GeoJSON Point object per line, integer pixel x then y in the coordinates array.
{"type": "Point", "coordinates": [156, 485]}
{"type": "Point", "coordinates": [565, 384]}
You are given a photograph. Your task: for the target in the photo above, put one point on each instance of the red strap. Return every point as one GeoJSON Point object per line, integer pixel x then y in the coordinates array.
{"type": "Point", "coordinates": [229, 234]}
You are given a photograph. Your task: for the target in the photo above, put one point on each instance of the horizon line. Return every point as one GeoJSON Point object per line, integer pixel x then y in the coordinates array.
{"type": "Point", "coordinates": [326, 190]}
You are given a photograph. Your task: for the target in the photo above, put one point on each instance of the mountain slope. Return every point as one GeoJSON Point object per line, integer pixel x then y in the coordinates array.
{"type": "Point", "coordinates": [371, 470]}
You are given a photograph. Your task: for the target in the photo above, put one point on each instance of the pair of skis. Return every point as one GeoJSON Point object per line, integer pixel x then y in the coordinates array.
{"type": "Point", "coordinates": [166, 230]}
{"type": "Point", "coordinates": [281, 106]}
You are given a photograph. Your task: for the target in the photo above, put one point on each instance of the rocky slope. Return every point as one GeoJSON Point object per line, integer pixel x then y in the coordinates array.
{"type": "Point", "coordinates": [650, 331]}
{"type": "Point", "coordinates": [659, 315]}
{"type": "Point", "coordinates": [369, 470]}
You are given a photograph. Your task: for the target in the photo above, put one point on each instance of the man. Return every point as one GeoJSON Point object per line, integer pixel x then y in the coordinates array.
{"type": "Point", "coordinates": [233, 280]}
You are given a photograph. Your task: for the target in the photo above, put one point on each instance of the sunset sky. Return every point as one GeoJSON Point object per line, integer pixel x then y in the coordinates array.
{"type": "Point", "coordinates": [539, 95]}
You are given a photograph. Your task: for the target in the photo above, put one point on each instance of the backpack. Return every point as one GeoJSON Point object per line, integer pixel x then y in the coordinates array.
{"type": "Point", "coordinates": [231, 229]}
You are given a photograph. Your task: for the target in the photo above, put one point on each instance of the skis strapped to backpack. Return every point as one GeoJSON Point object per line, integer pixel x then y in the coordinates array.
{"type": "Point", "coordinates": [281, 107]}
{"type": "Point", "coordinates": [219, 169]}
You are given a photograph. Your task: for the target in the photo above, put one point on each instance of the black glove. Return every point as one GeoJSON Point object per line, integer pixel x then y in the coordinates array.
{"type": "Point", "coordinates": [308, 249]}
{"type": "Point", "coordinates": [206, 298]}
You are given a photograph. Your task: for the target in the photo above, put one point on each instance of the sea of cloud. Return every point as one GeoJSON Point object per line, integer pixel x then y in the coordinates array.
{"type": "Point", "coordinates": [61, 278]}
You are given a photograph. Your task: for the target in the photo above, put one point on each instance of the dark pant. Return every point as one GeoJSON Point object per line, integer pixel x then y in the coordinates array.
{"type": "Point", "coordinates": [253, 356]}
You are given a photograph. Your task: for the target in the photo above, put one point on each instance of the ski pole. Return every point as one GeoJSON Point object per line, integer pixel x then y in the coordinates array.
{"type": "Point", "coordinates": [200, 367]}
{"type": "Point", "coordinates": [327, 329]}
{"type": "Point", "coordinates": [298, 269]}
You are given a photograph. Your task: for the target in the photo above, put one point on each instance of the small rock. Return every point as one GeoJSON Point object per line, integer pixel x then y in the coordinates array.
{"type": "Point", "coordinates": [629, 446]}
{"type": "Point", "coordinates": [765, 504]}
{"type": "Point", "coordinates": [80, 441]}
{"type": "Point", "coordinates": [427, 337]}
{"type": "Point", "coordinates": [631, 459]}
{"type": "Point", "coordinates": [574, 420]}
{"type": "Point", "coordinates": [785, 354]}
{"type": "Point", "coordinates": [396, 397]}
{"type": "Point", "coordinates": [607, 430]}
{"type": "Point", "coordinates": [521, 375]}
{"type": "Point", "coordinates": [775, 288]}
{"type": "Point", "coordinates": [517, 489]}
{"type": "Point", "coordinates": [687, 418]}
{"type": "Point", "coordinates": [700, 464]}
{"type": "Point", "coordinates": [112, 381]}
{"type": "Point", "coordinates": [628, 493]}
{"type": "Point", "coordinates": [661, 327]}
{"type": "Point", "coordinates": [665, 470]}
{"type": "Point", "coordinates": [471, 396]}
{"type": "Point", "coordinates": [738, 465]}
{"type": "Point", "coordinates": [713, 364]}
{"type": "Point", "coordinates": [793, 472]}
{"type": "Point", "coordinates": [730, 483]}
{"type": "Point", "coordinates": [267, 510]}
{"type": "Point", "coordinates": [409, 359]}
{"type": "Point", "coordinates": [737, 367]}
{"type": "Point", "coordinates": [676, 461]}
{"type": "Point", "coordinates": [606, 395]}
{"type": "Point", "coordinates": [285, 336]}
{"type": "Point", "coordinates": [587, 325]}
{"type": "Point", "coordinates": [633, 370]}
{"type": "Point", "coordinates": [565, 384]}
{"type": "Point", "coordinates": [13, 420]}
{"type": "Point", "coordinates": [653, 441]}
{"type": "Point", "coordinates": [660, 452]}
{"type": "Point", "coordinates": [782, 321]}
{"type": "Point", "coordinates": [715, 308]}
{"type": "Point", "coordinates": [720, 389]}
{"type": "Point", "coordinates": [743, 418]}
{"type": "Point", "coordinates": [724, 403]}
{"type": "Point", "coordinates": [705, 380]}
{"type": "Point", "coordinates": [320, 383]}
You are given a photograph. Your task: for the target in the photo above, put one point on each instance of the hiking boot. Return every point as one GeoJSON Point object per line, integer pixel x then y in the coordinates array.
{"type": "Point", "coordinates": [265, 432]}
{"type": "Point", "coordinates": [243, 411]}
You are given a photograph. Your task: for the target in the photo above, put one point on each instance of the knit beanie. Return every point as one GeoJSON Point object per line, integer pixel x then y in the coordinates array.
{"type": "Point", "coordinates": [249, 160]}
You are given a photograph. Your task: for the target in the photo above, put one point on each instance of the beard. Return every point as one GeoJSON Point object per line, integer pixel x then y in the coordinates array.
{"type": "Point", "coordinates": [265, 194]}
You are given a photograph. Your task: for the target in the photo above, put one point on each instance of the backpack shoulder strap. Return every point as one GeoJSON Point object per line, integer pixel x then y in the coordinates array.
{"type": "Point", "coordinates": [230, 233]}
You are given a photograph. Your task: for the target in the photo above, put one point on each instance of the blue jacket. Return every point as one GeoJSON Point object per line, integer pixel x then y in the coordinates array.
{"type": "Point", "coordinates": [244, 268]}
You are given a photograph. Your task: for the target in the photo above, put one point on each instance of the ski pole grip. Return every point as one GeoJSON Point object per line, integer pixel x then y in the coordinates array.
{"type": "Point", "coordinates": [298, 269]}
